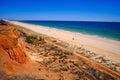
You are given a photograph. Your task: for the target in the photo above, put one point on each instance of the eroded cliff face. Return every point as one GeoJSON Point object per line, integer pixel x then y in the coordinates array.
{"type": "Point", "coordinates": [14, 62]}
{"type": "Point", "coordinates": [11, 43]}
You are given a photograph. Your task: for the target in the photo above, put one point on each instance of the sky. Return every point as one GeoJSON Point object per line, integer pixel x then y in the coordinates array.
{"type": "Point", "coordinates": [68, 10]}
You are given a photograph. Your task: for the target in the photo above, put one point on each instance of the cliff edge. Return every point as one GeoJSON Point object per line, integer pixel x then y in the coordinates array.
{"type": "Point", "coordinates": [11, 48]}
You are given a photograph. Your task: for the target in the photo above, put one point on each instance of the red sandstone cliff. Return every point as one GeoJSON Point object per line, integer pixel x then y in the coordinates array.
{"type": "Point", "coordinates": [14, 63]}
{"type": "Point", "coordinates": [11, 46]}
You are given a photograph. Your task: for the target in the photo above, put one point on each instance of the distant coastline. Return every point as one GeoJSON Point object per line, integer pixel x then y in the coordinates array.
{"type": "Point", "coordinates": [109, 30]}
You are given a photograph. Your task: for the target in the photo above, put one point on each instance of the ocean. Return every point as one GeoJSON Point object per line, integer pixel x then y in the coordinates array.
{"type": "Point", "coordinates": [109, 30]}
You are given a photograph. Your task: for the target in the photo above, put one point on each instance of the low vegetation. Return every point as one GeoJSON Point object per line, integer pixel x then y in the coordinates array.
{"type": "Point", "coordinates": [79, 73]}
{"type": "Point", "coordinates": [31, 38]}
{"type": "Point", "coordinates": [2, 22]}
{"type": "Point", "coordinates": [60, 61]}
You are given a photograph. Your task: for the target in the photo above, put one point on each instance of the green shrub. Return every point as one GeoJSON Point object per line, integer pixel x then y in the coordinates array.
{"type": "Point", "coordinates": [2, 22]}
{"type": "Point", "coordinates": [31, 38]}
{"type": "Point", "coordinates": [79, 73]}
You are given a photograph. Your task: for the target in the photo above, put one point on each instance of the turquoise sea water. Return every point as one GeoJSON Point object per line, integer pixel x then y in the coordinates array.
{"type": "Point", "coordinates": [103, 29]}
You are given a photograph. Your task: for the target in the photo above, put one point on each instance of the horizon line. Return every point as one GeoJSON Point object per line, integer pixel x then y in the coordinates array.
{"type": "Point", "coordinates": [57, 20]}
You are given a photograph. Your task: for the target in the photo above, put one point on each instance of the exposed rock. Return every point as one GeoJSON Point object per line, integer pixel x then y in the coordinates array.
{"type": "Point", "coordinates": [12, 44]}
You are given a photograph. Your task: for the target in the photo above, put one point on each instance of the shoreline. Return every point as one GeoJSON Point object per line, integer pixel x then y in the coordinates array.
{"type": "Point", "coordinates": [102, 46]}
{"type": "Point", "coordinates": [76, 32]}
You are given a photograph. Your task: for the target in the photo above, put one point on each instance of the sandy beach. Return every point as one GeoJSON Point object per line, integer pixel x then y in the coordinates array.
{"type": "Point", "coordinates": [106, 47]}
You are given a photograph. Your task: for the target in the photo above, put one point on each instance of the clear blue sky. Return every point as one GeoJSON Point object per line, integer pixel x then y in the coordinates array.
{"type": "Point", "coordinates": [75, 10]}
